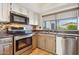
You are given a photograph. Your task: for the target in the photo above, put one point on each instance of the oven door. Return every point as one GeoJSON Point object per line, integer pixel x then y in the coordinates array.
{"type": "Point", "coordinates": [22, 43]}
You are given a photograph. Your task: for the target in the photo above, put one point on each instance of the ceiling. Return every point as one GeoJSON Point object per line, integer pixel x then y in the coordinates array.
{"type": "Point", "coordinates": [46, 8]}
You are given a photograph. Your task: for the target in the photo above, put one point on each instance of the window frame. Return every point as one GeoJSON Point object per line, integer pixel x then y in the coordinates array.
{"type": "Point", "coordinates": [56, 20]}
{"type": "Point", "coordinates": [67, 19]}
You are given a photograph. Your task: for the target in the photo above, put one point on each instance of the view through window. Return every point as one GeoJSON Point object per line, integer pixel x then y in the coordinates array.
{"type": "Point", "coordinates": [50, 24]}
{"type": "Point", "coordinates": [62, 24]}
{"type": "Point", "coordinates": [67, 24]}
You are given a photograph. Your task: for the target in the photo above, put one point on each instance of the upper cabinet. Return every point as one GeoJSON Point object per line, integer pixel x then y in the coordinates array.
{"type": "Point", "coordinates": [1, 11]}
{"type": "Point", "coordinates": [4, 12]}
{"type": "Point", "coordinates": [19, 9]}
{"type": "Point", "coordinates": [33, 18]}
{"type": "Point", "coordinates": [5, 9]}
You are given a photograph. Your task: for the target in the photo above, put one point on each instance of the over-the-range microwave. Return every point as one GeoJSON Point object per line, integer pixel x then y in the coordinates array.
{"type": "Point", "coordinates": [16, 18]}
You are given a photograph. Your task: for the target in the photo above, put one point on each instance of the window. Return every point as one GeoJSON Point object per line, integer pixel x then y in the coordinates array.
{"type": "Point", "coordinates": [67, 24]}
{"type": "Point", "coordinates": [50, 25]}
{"type": "Point", "coordinates": [62, 24]}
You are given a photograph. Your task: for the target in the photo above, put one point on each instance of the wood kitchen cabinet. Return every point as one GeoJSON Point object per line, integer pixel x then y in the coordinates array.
{"type": "Point", "coordinates": [34, 41]}
{"type": "Point", "coordinates": [0, 12]}
{"type": "Point", "coordinates": [41, 41]}
{"type": "Point", "coordinates": [47, 42]}
{"type": "Point", "coordinates": [33, 18]}
{"type": "Point", "coordinates": [6, 46]}
{"type": "Point", "coordinates": [19, 9]}
{"type": "Point", "coordinates": [4, 12]}
{"type": "Point", "coordinates": [7, 49]}
{"type": "Point", "coordinates": [50, 43]}
{"type": "Point", "coordinates": [15, 8]}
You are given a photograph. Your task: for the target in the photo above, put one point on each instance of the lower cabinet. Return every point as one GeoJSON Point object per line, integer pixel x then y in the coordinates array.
{"type": "Point", "coordinates": [1, 49]}
{"type": "Point", "coordinates": [50, 43]}
{"type": "Point", "coordinates": [47, 42]}
{"type": "Point", "coordinates": [41, 41]}
{"type": "Point", "coordinates": [34, 41]}
{"type": "Point", "coordinates": [5, 49]}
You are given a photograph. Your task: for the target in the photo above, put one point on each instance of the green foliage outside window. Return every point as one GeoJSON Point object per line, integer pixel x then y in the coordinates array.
{"type": "Point", "coordinates": [71, 27]}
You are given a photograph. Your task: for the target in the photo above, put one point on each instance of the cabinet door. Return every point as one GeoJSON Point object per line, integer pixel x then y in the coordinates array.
{"type": "Point", "coordinates": [24, 11]}
{"type": "Point", "coordinates": [33, 18]}
{"type": "Point", "coordinates": [15, 8]}
{"type": "Point", "coordinates": [34, 41]}
{"type": "Point", "coordinates": [1, 9]}
{"type": "Point", "coordinates": [19, 9]}
{"type": "Point", "coordinates": [41, 42]}
{"type": "Point", "coordinates": [1, 49]}
{"type": "Point", "coordinates": [36, 19]}
{"type": "Point", "coordinates": [50, 44]}
{"type": "Point", "coordinates": [7, 49]}
{"type": "Point", "coordinates": [6, 12]}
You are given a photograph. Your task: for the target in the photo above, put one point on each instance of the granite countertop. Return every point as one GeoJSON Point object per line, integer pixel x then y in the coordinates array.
{"type": "Point", "coordinates": [5, 35]}
{"type": "Point", "coordinates": [67, 34]}
{"type": "Point", "coordinates": [60, 34]}
{"type": "Point", "coordinates": [75, 31]}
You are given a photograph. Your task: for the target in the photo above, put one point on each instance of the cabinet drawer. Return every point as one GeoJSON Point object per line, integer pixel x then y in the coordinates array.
{"type": "Point", "coordinates": [5, 40]}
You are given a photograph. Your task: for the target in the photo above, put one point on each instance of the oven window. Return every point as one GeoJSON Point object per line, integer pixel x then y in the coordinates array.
{"type": "Point", "coordinates": [22, 43]}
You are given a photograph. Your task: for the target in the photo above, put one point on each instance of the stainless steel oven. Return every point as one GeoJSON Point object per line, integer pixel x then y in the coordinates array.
{"type": "Point", "coordinates": [22, 44]}
{"type": "Point", "coordinates": [22, 39]}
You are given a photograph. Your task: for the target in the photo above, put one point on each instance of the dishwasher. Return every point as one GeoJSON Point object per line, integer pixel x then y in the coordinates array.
{"type": "Point", "coordinates": [6, 46]}
{"type": "Point", "coordinates": [66, 45]}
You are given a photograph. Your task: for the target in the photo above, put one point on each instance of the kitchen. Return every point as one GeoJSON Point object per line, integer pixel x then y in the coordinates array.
{"type": "Point", "coordinates": [39, 28]}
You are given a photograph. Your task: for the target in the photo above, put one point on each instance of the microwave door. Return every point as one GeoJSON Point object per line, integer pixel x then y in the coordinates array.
{"type": "Point", "coordinates": [18, 19]}
{"type": "Point", "coordinates": [15, 18]}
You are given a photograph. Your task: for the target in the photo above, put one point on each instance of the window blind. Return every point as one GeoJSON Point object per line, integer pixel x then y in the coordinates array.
{"type": "Point", "coordinates": [67, 14]}
{"type": "Point", "coordinates": [51, 17]}
{"type": "Point", "coordinates": [62, 15]}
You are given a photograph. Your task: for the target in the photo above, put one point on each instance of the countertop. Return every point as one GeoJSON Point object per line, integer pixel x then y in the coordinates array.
{"type": "Point", "coordinates": [66, 34]}
{"type": "Point", "coordinates": [5, 35]}
{"type": "Point", "coordinates": [23, 36]}
{"type": "Point", "coordinates": [60, 34]}
{"type": "Point", "coordinates": [59, 31]}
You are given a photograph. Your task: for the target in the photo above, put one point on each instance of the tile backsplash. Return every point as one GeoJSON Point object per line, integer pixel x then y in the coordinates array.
{"type": "Point", "coordinates": [4, 26]}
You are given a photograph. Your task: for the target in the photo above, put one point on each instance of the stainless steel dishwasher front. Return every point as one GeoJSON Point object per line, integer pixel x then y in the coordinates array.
{"type": "Point", "coordinates": [69, 45]}
{"type": "Point", "coordinates": [66, 45]}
